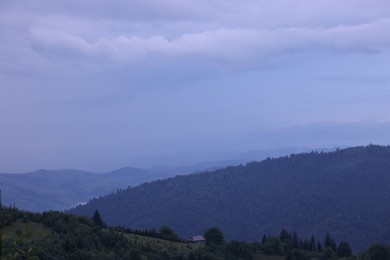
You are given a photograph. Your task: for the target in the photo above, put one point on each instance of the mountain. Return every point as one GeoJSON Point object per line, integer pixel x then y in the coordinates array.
{"type": "Point", "coordinates": [44, 190]}
{"type": "Point", "coordinates": [345, 193]}
{"type": "Point", "coordinates": [62, 189]}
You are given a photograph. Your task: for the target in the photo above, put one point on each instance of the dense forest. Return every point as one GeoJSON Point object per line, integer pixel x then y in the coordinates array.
{"type": "Point", "coordinates": [56, 235]}
{"type": "Point", "coordinates": [345, 193]}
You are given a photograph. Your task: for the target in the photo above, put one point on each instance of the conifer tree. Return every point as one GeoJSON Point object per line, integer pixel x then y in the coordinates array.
{"type": "Point", "coordinates": [319, 246]}
{"type": "Point", "coordinates": [343, 250]}
{"type": "Point", "coordinates": [330, 242]}
{"type": "Point", "coordinates": [284, 235]}
{"type": "Point", "coordinates": [98, 219]}
{"type": "Point", "coordinates": [295, 239]}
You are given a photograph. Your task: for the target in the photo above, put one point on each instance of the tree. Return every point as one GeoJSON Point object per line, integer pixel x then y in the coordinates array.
{"type": "Point", "coordinates": [295, 240]}
{"type": "Point", "coordinates": [343, 250]}
{"type": "Point", "coordinates": [284, 235]}
{"type": "Point", "coordinates": [319, 246]}
{"type": "Point", "coordinates": [297, 254]}
{"type": "Point", "coordinates": [213, 236]}
{"type": "Point", "coordinates": [330, 242]}
{"type": "Point", "coordinates": [328, 254]}
{"type": "Point", "coordinates": [312, 243]}
{"type": "Point", "coordinates": [264, 239]}
{"type": "Point", "coordinates": [379, 252]}
{"type": "Point", "coordinates": [98, 219]}
{"type": "Point", "coordinates": [167, 233]}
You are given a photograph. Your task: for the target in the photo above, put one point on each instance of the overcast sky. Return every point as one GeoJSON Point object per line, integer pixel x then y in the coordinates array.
{"type": "Point", "coordinates": [97, 85]}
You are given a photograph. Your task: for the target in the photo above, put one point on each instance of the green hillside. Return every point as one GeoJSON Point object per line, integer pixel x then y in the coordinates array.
{"type": "Point", "coordinates": [56, 235]}
{"type": "Point", "coordinates": [345, 193]}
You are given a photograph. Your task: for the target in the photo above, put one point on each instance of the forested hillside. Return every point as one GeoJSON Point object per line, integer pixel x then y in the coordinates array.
{"type": "Point", "coordinates": [345, 193]}
{"type": "Point", "coordinates": [55, 235]}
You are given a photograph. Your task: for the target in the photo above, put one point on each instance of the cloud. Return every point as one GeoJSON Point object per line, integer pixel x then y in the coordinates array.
{"type": "Point", "coordinates": [79, 77]}
{"type": "Point", "coordinates": [219, 34]}
{"type": "Point", "coordinates": [242, 47]}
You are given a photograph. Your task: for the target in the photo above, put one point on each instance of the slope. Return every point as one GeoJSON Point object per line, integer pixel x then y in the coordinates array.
{"type": "Point", "coordinates": [345, 192]}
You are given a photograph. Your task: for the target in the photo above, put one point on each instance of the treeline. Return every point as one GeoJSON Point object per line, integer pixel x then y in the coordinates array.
{"type": "Point", "coordinates": [290, 246]}
{"type": "Point", "coordinates": [56, 235]}
{"type": "Point", "coordinates": [294, 247]}
{"type": "Point", "coordinates": [165, 232]}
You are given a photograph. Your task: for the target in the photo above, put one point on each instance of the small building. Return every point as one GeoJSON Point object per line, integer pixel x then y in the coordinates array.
{"type": "Point", "coordinates": [196, 239]}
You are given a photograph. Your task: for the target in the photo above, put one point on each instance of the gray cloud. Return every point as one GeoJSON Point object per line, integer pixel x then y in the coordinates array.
{"type": "Point", "coordinates": [222, 46]}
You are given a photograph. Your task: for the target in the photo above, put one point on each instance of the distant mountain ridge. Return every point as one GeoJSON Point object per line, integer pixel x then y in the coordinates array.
{"type": "Point", "coordinates": [44, 190]}
{"type": "Point", "coordinates": [60, 189]}
{"type": "Point", "coordinates": [345, 192]}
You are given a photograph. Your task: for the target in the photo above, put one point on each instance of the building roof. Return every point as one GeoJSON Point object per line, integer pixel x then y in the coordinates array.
{"type": "Point", "coordinates": [196, 239]}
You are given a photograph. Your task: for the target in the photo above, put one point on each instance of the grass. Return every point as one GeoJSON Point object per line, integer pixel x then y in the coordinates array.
{"type": "Point", "coordinates": [36, 232]}
{"type": "Point", "coordinates": [30, 229]}
{"type": "Point", "coordinates": [161, 244]}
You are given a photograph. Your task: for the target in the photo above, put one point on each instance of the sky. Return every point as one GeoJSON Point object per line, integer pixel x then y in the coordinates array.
{"type": "Point", "coordinates": [97, 85]}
